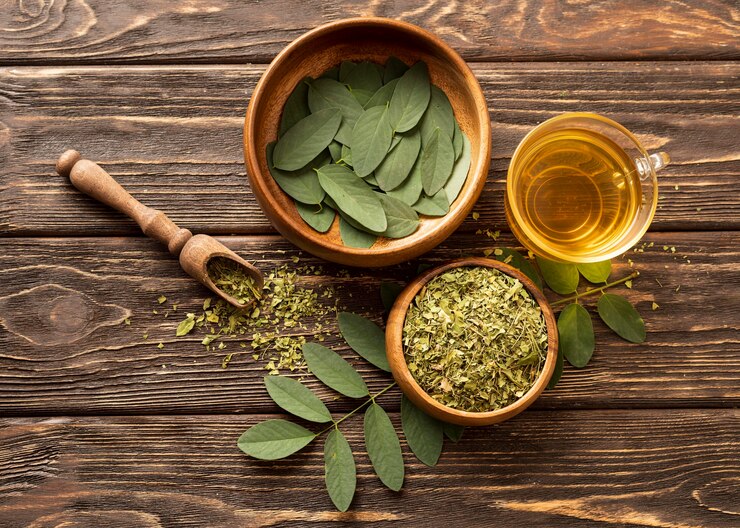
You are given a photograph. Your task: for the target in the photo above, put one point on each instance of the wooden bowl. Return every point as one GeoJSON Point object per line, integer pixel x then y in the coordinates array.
{"type": "Point", "coordinates": [397, 360]}
{"type": "Point", "coordinates": [358, 39]}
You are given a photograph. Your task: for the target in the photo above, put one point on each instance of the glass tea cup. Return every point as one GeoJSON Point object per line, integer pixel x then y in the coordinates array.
{"type": "Point", "coordinates": [581, 188]}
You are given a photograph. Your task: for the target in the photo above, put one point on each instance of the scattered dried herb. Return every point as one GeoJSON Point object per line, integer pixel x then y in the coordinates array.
{"type": "Point", "coordinates": [475, 339]}
{"type": "Point", "coordinates": [232, 278]}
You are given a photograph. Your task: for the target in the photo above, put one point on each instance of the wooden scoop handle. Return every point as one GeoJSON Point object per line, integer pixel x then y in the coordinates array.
{"type": "Point", "coordinates": [91, 179]}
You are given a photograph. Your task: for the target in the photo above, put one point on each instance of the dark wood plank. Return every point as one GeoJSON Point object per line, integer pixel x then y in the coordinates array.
{"type": "Point", "coordinates": [66, 351]}
{"type": "Point", "coordinates": [172, 136]}
{"type": "Point", "coordinates": [558, 469]}
{"type": "Point", "coordinates": [95, 31]}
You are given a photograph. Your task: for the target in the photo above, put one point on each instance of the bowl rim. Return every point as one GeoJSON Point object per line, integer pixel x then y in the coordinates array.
{"type": "Point", "coordinates": [478, 173]}
{"type": "Point", "coordinates": [406, 381]}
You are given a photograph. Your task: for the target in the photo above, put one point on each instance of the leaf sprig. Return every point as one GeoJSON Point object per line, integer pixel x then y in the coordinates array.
{"type": "Point", "coordinates": [279, 438]}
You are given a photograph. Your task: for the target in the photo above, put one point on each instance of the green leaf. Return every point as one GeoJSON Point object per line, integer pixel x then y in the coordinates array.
{"type": "Point", "coordinates": [576, 335]}
{"type": "Point", "coordinates": [453, 432]}
{"type": "Point", "coordinates": [518, 261]}
{"type": "Point", "coordinates": [457, 141]}
{"type": "Point", "coordinates": [410, 98]}
{"type": "Point", "coordinates": [306, 139]}
{"type": "Point", "coordinates": [437, 158]}
{"type": "Point", "coordinates": [301, 185]}
{"type": "Point", "coordinates": [364, 337]}
{"type": "Point", "coordinates": [297, 399]}
{"type": "Point", "coordinates": [345, 68]}
{"type": "Point", "coordinates": [383, 447]}
{"type": "Point", "coordinates": [621, 316]}
{"type": "Point", "coordinates": [296, 106]}
{"type": "Point", "coordinates": [436, 205]}
{"type": "Point", "coordinates": [596, 272]}
{"type": "Point", "coordinates": [354, 236]}
{"type": "Point", "coordinates": [423, 433]}
{"type": "Point", "coordinates": [327, 93]}
{"type": "Point", "coordinates": [397, 165]}
{"type": "Point", "coordinates": [389, 291]}
{"type": "Point", "coordinates": [410, 190]}
{"type": "Point", "coordinates": [340, 472]}
{"type": "Point", "coordinates": [401, 218]}
{"type": "Point", "coordinates": [335, 149]}
{"type": "Point", "coordinates": [371, 138]}
{"type": "Point", "coordinates": [334, 371]}
{"type": "Point", "coordinates": [459, 170]}
{"type": "Point", "coordinates": [346, 154]}
{"type": "Point", "coordinates": [274, 439]}
{"type": "Point", "coordinates": [561, 277]}
{"type": "Point", "coordinates": [365, 76]}
{"type": "Point", "coordinates": [353, 196]}
{"type": "Point", "coordinates": [394, 68]}
{"type": "Point", "coordinates": [558, 372]}
{"type": "Point", "coordinates": [185, 327]}
{"type": "Point", "coordinates": [331, 73]}
{"type": "Point", "coordinates": [382, 96]}
{"type": "Point", "coordinates": [318, 217]}
{"type": "Point", "coordinates": [439, 114]}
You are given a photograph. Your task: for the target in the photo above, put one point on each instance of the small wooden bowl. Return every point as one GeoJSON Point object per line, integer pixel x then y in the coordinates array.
{"type": "Point", "coordinates": [397, 360]}
{"type": "Point", "coordinates": [358, 39]}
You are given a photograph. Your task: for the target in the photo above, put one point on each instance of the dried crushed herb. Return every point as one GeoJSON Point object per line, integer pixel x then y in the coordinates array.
{"type": "Point", "coordinates": [232, 278]}
{"type": "Point", "coordinates": [475, 339]}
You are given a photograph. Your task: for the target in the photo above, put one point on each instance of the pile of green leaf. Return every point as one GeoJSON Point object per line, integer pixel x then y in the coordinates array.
{"type": "Point", "coordinates": [278, 438]}
{"type": "Point", "coordinates": [377, 144]}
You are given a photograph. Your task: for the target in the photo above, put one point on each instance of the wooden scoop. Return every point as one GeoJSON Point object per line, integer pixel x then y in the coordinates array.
{"type": "Point", "coordinates": [194, 251]}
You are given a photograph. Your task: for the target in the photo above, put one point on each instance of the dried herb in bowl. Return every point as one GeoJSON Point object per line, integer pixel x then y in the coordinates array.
{"type": "Point", "coordinates": [475, 339]}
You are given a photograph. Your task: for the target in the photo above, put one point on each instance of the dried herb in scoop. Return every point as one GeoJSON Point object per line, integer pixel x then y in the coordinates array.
{"type": "Point", "coordinates": [231, 278]}
{"type": "Point", "coordinates": [475, 339]}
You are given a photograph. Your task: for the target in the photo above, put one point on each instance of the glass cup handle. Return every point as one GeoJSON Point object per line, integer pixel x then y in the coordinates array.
{"type": "Point", "coordinates": [655, 161]}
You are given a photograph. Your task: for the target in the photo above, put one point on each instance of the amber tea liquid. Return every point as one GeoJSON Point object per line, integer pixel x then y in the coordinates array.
{"type": "Point", "coordinates": [576, 193]}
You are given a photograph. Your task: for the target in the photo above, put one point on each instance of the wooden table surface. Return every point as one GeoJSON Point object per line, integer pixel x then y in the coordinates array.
{"type": "Point", "coordinates": [101, 428]}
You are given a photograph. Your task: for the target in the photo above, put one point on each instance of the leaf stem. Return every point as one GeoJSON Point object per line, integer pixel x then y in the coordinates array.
{"type": "Point", "coordinates": [577, 295]}
{"type": "Point", "coordinates": [364, 404]}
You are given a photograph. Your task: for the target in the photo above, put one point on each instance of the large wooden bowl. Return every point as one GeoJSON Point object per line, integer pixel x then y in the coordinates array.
{"type": "Point", "coordinates": [359, 39]}
{"type": "Point", "coordinates": [409, 386]}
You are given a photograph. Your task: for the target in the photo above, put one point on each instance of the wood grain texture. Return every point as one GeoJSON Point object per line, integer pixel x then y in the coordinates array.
{"type": "Point", "coordinates": [172, 137]}
{"type": "Point", "coordinates": [64, 349]}
{"type": "Point", "coordinates": [574, 469]}
{"type": "Point", "coordinates": [146, 31]}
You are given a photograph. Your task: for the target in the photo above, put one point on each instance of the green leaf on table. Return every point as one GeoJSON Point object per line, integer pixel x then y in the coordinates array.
{"type": "Point", "coordinates": [334, 371]}
{"type": "Point", "coordinates": [318, 217]}
{"type": "Point", "coordinates": [410, 98]}
{"type": "Point", "coordinates": [621, 316]}
{"type": "Point", "coordinates": [296, 106]}
{"type": "Point", "coordinates": [382, 96]}
{"type": "Point", "coordinates": [453, 431]}
{"type": "Point", "coordinates": [410, 190]}
{"type": "Point", "coordinates": [301, 185]}
{"type": "Point", "coordinates": [596, 272]}
{"type": "Point", "coordinates": [439, 114]}
{"type": "Point", "coordinates": [294, 397]}
{"type": "Point", "coordinates": [371, 138]}
{"type": "Point", "coordinates": [460, 170]}
{"type": "Point", "coordinates": [383, 447]}
{"type": "Point", "coordinates": [437, 158]}
{"type": "Point", "coordinates": [437, 205]}
{"type": "Point", "coordinates": [576, 334]}
{"type": "Point", "coordinates": [365, 76]}
{"type": "Point", "coordinates": [518, 261]}
{"type": "Point", "coordinates": [353, 196]}
{"type": "Point", "coordinates": [340, 472]}
{"type": "Point", "coordinates": [353, 237]}
{"type": "Point", "coordinates": [394, 68]}
{"type": "Point", "coordinates": [185, 326]}
{"type": "Point", "coordinates": [457, 141]}
{"type": "Point", "coordinates": [274, 439]}
{"type": "Point", "coordinates": [401, 218]}
{"type": "Point", "coordinates": [306, 139]}
{"type": "Point", "coordinates": [561, 277]}
{"type": "Point", "coordinates": [397, 165]}
{"type": "Point", "coordinates": [424, 434]}
{"type": "Point", "coordinates": [364, 337]}
{"type": "Point", "coordinates": [327, 93]}
{"type": "Point", "coordinates": [389, 291]}
{"type": "Point", "coordinates": [558, 372]}
{"type": "Point", "coordinates": [345, 68]}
